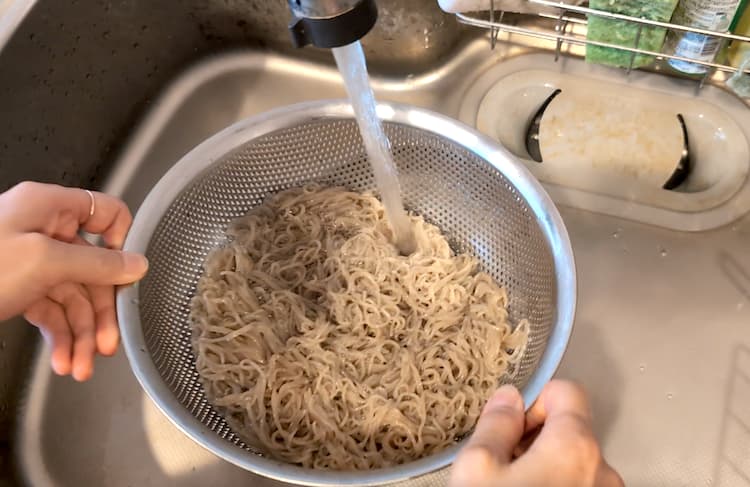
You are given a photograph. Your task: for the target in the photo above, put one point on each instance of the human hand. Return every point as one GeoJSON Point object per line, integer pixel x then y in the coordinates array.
{"type": "Point", "coordinates": [61, 283]}
{"type": "Point", "coordinates": [563, 454]}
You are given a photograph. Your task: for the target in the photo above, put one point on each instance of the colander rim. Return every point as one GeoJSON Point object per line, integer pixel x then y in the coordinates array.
{"type": "Point", "coordinates": [204, 155]}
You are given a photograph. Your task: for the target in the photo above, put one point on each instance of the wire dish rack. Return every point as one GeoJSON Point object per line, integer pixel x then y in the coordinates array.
{"type": "Point", "coordinates": [569, 26]}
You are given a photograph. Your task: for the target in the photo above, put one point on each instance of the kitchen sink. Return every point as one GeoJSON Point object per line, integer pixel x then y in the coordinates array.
{"type": "Point", "coordinates": [661, 339]}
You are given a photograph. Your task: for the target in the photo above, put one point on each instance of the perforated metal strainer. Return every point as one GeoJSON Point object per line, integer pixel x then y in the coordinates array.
{"type": "Point", "coordinates": [475, 191]}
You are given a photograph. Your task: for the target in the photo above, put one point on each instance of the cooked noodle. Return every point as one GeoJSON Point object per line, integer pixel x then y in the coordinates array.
{"type": "Point", "coordinates": [326, 348]}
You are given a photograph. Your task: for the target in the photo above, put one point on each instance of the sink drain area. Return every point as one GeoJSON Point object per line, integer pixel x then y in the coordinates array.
{"type": "Point", "coordinates": [648, 149]}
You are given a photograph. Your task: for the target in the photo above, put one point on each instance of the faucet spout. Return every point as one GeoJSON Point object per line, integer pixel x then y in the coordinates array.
{"type": "Point", "coordinates": [330, 23]}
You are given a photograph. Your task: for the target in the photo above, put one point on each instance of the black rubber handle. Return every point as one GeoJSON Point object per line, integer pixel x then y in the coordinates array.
{"type": "Point", "coordinates": [335, 31]}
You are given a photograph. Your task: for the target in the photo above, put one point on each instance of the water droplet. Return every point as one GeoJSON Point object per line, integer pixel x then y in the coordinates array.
{"type": "Point", "coordinates": [617, 233]}
{"type": "Point", "coordinates": [669, 396]}
{"type": "Point", "coordinates": [735, 228]}
{"type": "Point", "coordinates": [663, 252]}
{"type": "Point", "coordinates": [642, 368]}
{"type": "Point", "coordinates": [2, 345]}
{"type": "Point", "coordinates": [709, 481]}
{"type": "Point", "coordinates": [740, 306]}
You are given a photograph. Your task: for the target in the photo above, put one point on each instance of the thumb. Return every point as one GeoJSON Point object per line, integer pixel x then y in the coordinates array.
{"type": "Point", "coordinates": [500, 425]}
{"type": "Point", "coordinates": [93, 265]}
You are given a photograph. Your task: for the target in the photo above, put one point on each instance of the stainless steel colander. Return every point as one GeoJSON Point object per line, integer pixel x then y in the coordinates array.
{"type": "Point", "coordinates": [475, 191]}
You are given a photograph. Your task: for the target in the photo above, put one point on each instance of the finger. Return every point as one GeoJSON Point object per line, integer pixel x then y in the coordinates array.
{"type": "Point", "coordinates": [608, 477]}
{"type": "Point", "coordinates": [500, 426]}
{"type": "Point", "coordinates": [107, 333]}
{"type": "Point", "coordinates": [491, 445]}
{"type": "Point", "coordinates": [33, 203]}
{"type": "Point", "coordinates": [564, 411]}
{"type": "Point", "coordinates": [529, 437]}
{"type": "Point", "coordinates": [88, 264]}
{"type": "Point", "coordinates": [80, 314]}
{"type": "Point", "coordinates": [111, 219]}
{"type": "Point", "coordinates": [558, 397]}
{"type": "Point", "coordinates": [103, 301]}
{"type": "Point", "coordinates": [49, 317]}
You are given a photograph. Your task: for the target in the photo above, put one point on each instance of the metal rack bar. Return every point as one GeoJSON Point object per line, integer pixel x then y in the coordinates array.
{"type": "Point", "coordinates": [560, 36]}
{"type": "Point", "coordinates": [560, 27]}
{"type": "Point", "coordinates": [637, 43]}
{"type": "Point", "coordinates": [637, 20]}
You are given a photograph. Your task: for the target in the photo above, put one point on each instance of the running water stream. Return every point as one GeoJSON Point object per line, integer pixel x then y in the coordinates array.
{"type": "Point", "coordinates": [351, 63]}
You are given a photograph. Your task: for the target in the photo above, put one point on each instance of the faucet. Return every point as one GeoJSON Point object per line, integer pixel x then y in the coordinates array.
{"type": "Point", "coordinates": [330, 23]}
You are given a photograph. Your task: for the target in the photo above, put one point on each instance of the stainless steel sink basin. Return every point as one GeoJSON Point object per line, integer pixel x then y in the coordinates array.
{"type": "Point", "coordinates": [661, 341]}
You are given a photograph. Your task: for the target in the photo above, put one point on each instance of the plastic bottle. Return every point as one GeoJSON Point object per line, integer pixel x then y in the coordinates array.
{"type": "Point", "coordinates": [715, 15]}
